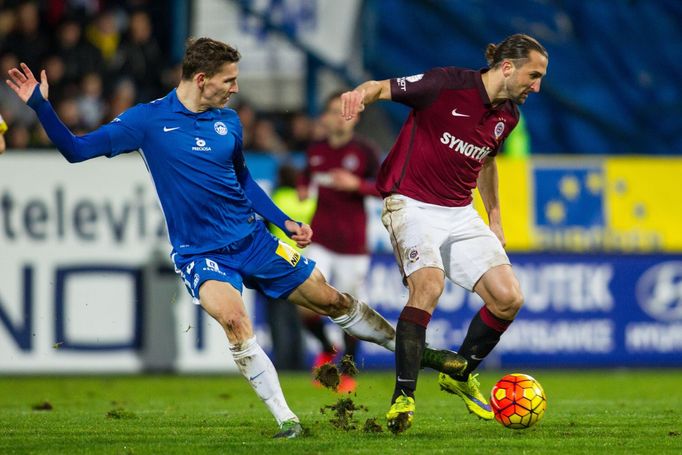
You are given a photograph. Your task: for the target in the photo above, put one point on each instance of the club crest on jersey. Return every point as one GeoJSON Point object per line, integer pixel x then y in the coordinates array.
{"type": "Point", "coordinates": [499, 129]}
{"type": "Point", "coordinates": [220, 128]}
{"type": "Point", "coordinates": [350, 162]}
{"type": "Point", "coordinates": [288, 254]}
{"type": "Point", "coordinates": [200, 145]}
{"type": "Point", "coordinates": [413, 255]}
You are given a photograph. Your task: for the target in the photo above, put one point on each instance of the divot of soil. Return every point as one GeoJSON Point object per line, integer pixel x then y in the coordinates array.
{"type": "Point", "coordinates": [328, 375]}
{"type": "Point", "coordinates": [120, 413]}
{"type": "Point", "coordinates": [371, 426]}
{"type": "Point", "coordinates": [343, 413]}
{"type": "Point", "coordinates": [44, 406]}
{"type": "Point", "coordinates": [348, 366]}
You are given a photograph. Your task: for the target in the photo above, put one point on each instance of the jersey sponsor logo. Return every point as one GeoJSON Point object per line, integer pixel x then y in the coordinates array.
{"type": "Point", "coordinates": [465, 148]}
{"type": "Point", "coordinates": [402, 81]}
{"type": "Point", "coordinates": [220, 128]}
{"type": "Point", "coordinates": [212, 265]}
{"type": "Point", "coordinates": [288, 254]}
{"type": "Point", "coordinates": [201, 145]}
{"type": "Point", "coordinates": [499, 129]}
{"type": "Point", "coordinates": [457, 114]}
{"type": "Point", "coordinates": [167, 129]}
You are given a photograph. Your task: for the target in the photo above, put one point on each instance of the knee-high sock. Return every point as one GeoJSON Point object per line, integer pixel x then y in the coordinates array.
{"type": "Point", "coordinates": [409, 346]}
{"type": "Point", "coordinates": [483, 335]}
{"type": "Point", "coordinates": [364, 323]}
{"type": "Point", "coordinates": [257, 368]}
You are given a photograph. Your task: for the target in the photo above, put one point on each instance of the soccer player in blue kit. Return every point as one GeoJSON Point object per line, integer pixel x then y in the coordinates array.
{"type": "Point", "coordinates": [192, 147]}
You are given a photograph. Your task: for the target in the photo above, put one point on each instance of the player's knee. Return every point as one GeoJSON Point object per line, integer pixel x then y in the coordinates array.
{"type": "Point", "coordinates": [428, 290]}
{"type": "Point", "coordinates": [233, 321]}
{"type": "Point", "coordinates": [508, 303]}
{"type": "Point", "coordinates": [339, 304]}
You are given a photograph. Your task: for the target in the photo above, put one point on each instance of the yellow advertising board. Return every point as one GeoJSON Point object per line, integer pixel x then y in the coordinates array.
{"type": "Point", "coordinates": [582, 204]}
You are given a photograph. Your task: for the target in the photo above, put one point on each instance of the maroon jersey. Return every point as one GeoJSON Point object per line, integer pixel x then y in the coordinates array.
{"type": "Point", "coordinates": [450, 131]}
{"type": "Point", "coordinates": [340, 221]}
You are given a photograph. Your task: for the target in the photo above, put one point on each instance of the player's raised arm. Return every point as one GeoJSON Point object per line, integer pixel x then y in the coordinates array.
{"type": "Point", "coordinates": [74, 148]}
{"type": "Point", "coordinates": [354, 101]}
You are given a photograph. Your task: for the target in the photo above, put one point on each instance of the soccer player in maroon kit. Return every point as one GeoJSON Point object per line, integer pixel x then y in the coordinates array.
{"type": "Point", "coordinates": [343, 169]}
{"type": "Point", "coordinates": [446, 148]}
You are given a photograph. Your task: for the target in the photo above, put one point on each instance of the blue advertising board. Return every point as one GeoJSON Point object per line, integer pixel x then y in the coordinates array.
{"type": "Point", "coordinates": [580, 310]}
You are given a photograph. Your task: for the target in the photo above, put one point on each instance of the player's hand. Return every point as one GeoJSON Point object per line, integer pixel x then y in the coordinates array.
{"type": "Point", "coordinates": [344, 180]}
{"type": "Point", "coordinates": [23, 82]}
{"type": "Point", "coordinates": [302, 234]}
{"type": "Point", "coordinates": [499, 232]}
{"type": "Point", "coordinates": [352, 103]}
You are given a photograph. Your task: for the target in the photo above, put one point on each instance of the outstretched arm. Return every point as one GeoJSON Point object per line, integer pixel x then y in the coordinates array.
{"type": "Point", "coordinates": [354, 101]}
{"type": "Point", "coordinates": [74, 148]}
{"type": "Point", "coordinates": [263, 205]}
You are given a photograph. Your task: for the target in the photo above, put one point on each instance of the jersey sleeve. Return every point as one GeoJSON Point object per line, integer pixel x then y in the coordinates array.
{"type": "Point", "coordinates": [126, 131]}
{"type": "Point", "coordinates": [420, 90]}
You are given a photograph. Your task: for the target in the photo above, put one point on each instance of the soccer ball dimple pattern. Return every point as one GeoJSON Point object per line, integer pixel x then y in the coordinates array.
{"type": "Point", "coordinates": [518, 401]}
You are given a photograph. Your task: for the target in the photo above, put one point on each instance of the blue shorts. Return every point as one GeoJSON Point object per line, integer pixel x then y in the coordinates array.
{"type": "Point", "coordinates": [259, 261]}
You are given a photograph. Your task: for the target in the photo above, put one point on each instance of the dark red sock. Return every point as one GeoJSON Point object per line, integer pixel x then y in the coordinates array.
{"type": "Point", "coordinates": [483, 335]}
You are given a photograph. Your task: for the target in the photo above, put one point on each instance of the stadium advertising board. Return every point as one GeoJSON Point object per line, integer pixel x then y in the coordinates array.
{"type": "Point", "coordinates": [580, 310]}
{"type": "Point", "coordinates": [591, 204]}
{"type": "Point", "coordinates": [84, 254]}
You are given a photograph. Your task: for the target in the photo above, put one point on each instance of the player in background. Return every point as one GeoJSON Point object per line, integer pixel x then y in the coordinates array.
{"type": "Point", "coordinates": [342, 169]}
{"type": "Point", "coordinates": [191, 145]}
{"type": "Point", "coordinates": [446, 148]}
{"type": "Point", "coordinates": [3, 130]}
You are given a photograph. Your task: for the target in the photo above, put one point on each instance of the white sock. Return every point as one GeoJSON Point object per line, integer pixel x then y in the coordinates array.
{"type": "Point", "coordinates": [364, 323]}
{"type": "Point", "coordinates": [257, 368]}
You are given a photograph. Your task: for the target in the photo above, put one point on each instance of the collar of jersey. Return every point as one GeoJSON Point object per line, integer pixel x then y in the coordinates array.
{"type": "Point", "coordinates": [177, 106]}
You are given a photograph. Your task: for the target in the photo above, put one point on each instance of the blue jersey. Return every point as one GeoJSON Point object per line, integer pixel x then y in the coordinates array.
{"type": "Point", "coordinates": [195, 160]}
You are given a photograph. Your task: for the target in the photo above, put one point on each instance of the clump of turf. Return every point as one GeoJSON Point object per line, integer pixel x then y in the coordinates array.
{"type": "Point", "coordinates": [348, 366]}
{"type": "Point", "coordinates": [400, 424]}
{"type": "Point", "coordinates": [120, 413]}
{"type": "Point", "coordinates": [328, 375]}
{"type": "Point", "coordinates": [343, 413]}
{"type": "Point", "coordinates": [371, 426]}
{"type": "Point", "coordinates": [44, 406]}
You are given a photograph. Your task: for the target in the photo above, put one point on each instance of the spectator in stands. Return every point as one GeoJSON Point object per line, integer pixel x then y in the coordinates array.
{"type": "Point", "coordinates": [122, 98]}
{"type": "Point", "coordinates": [91, 107]}
{"type": "Point", "coordinates": [26, 40]}
{"type": "Point", "coordinates": [300, 132]}
{"type": "Point", "coordinates": [80, 56]}
{"type": "Point", "coordinates": [141, 57]}
{"type": "Point", "coordinates": [266, 139]}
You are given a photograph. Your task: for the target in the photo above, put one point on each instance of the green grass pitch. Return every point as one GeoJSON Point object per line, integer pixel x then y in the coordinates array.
{"type": "Point", "coordinates": [589, 412]}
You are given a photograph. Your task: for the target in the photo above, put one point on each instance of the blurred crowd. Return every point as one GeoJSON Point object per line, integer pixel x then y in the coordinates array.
{"type": "Point", "coordinates": [102, 57]}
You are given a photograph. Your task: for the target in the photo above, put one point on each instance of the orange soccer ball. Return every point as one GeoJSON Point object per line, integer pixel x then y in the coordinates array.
{"type": "Point", "coordinates": [518, 401]}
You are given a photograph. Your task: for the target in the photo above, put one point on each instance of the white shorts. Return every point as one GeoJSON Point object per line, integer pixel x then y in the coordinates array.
{"type": "Point", "coordinates": [453, 239]}
{"type": "Point", "coordinates": [346, 272]}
